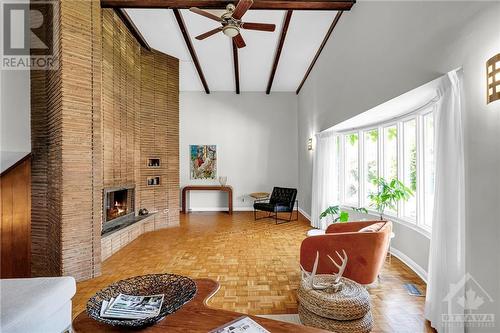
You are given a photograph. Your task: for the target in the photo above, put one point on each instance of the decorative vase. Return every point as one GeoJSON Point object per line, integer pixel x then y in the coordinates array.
{"type": "Point", "coordinates": [222, 181]}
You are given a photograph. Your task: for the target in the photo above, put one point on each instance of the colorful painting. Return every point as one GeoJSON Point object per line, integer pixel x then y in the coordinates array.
{"type": "Point", "coordinates": [203, 159]}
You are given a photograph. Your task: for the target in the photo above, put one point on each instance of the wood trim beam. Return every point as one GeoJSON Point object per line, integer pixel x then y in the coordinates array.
{"type": "Point", "coordinates": [122, 14]}
{"type": "Point", "coordinates": [221, 4]}
{"type": "Point", "coordinates": [286, 24]}
{"type": "Point", "coordinates": [192, 52]}
{"type": "Point", "coordinates": [236, 67]}
{"type": "Point", "coordinates": [323, 43]}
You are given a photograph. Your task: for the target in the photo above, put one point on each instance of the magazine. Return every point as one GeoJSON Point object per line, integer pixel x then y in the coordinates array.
{"type": "Point", "coordinates": [241, 325]}
{"type": "Point", "coordinates": [132, 307]}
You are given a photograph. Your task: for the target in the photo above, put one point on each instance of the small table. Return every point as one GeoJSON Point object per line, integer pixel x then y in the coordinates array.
{"type": "Point", "coordinates": [193, 317]}
{"type": "Point", "coordinates": [225, 188]}
{"type": "Point", "coordinates": [259, 195]}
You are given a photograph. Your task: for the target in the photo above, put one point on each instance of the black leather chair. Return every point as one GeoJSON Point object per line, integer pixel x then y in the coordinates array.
{"type": "Point", "coordinates": [282, 200]}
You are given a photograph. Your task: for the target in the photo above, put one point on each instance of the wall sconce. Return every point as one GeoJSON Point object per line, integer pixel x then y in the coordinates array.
{"type": "Point", "coordinates": [310, 144]}
{"type": "Point", "coordinates": [493, 78]}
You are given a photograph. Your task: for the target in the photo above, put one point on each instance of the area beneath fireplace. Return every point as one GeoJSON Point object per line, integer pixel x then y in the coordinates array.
{"type": "Point", "coordinates": [124, 224]}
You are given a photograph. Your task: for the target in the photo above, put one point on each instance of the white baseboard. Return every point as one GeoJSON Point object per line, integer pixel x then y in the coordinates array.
{"type": "Point", "coordinates": [410, 263]}
{"type": "Point", "coordinates": [220, 209]}
{"type": "Point", "coordinates": [236, 209]}
{"type": "Point", "coordinates": [307, 216]}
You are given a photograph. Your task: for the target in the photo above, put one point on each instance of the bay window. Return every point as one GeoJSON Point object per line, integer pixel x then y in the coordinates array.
{"type": "Point", "coordinates": [402, 149]}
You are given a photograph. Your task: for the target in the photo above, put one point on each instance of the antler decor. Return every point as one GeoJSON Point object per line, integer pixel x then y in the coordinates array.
{"type": "Point", "coordinates": [336, 284]}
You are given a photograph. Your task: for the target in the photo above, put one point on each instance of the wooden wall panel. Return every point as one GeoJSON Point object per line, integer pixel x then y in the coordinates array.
{"type": "Point", "coordinates": [15, 200]}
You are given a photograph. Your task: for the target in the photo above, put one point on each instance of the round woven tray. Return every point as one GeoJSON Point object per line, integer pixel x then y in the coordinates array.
{"type": "Point", "coordinates": [177, 289]}
{"type": "Point", "coordinates": [351, 302]}
{"type": "Point", "coordinates": [362, 325]}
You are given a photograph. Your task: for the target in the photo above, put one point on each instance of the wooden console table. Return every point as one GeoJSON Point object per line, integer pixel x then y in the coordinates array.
{"type": "Point", "coordinates": [193, 317]}
{"type": "Point", "coordinates": [225, 188]}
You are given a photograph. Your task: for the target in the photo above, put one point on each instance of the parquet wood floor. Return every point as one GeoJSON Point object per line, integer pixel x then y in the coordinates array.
{"type": "Point", "coordinates": [256, 264]}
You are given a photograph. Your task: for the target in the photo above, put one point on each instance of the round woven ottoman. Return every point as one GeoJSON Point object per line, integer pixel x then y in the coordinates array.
{"type": "Point", "coordinates": [347, 310]}
{"type": "Point", "coordinates": [362, 325]}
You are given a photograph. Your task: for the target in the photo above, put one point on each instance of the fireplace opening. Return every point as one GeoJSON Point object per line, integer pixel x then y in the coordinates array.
{"type": "Point", "coordinates": [118, 206]}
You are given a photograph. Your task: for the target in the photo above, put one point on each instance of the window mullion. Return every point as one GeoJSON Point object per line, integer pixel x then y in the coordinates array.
{"type": "Point", "coordinates": [400, 159]}
{"type": "Point", "coordinates": [342, 168]}
{"type": "Point", "coordinates": [420, 178]}
{"type": "Point", "coordinates": [361, 169]}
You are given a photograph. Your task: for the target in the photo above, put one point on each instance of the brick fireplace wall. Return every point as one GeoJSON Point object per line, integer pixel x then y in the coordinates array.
{"type": "Point", "coordinates": [95, 121]}
{"type": "Point", "coordinates": [140, 108]}
{"type": "Point", "coordinates": [65, 123]}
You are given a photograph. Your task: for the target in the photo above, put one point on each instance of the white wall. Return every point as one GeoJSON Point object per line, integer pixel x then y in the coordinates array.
{"type": "Point", "coordinates": [477, 41]}
{"type": "Point", "coordinates": [381, 50]}
{"type": "Point", "coordinates": [15, 133]}
{"type": "Point", "coordinates": [15, 110]}
{"type": "Point", "coordinates": [256, 138]}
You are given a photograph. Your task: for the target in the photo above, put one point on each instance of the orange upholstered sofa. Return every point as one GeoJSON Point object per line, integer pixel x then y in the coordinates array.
{"type": "Point", "coordinates": [366, 249]}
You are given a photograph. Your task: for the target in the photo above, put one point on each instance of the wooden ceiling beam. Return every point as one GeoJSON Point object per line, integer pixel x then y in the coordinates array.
{"type": "Point", "coordinates": [122, 14]}
{"type": "Point", "coordinates": [286, 24]}
{"type": "Point", "coordinates": [221, 4]}
{"type": "Point", "coordinates": [236, 67]}
{"type": "Point", "coordinates": [323, 43]}
{"type": "Point", "coordinates": [192, 51]}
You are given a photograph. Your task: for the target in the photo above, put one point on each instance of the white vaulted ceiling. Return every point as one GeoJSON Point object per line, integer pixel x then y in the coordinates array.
{"type": "Point", "coordinates": [305, 34]}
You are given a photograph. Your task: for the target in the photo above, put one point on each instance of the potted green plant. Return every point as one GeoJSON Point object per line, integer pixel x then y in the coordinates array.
{"type": "Point", "coordinates": [389, 194]}
{"type": "Point", "coordinates": [338, 215]}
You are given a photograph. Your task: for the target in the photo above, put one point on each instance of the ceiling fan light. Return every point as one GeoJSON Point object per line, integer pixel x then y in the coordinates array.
{"type": "Point", "coordinates": [231, 31]}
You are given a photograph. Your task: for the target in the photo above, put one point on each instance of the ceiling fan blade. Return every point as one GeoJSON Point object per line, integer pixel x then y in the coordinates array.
{"type": "Point", "coordinates": [238, 40]}
{"type": "Point", "coordinates": [208, 33]}
{"type": "Point", "coordinates": [242, 8]}
{"type": "Point", "coordinates": [206, 14]}
{"type": "Point", "coordinates": [258, 26]}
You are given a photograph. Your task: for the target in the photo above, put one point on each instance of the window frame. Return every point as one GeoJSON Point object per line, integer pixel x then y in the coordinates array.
{"type": "Point", "coordinates": [422, 162]}
{"type": "Point", "coordinates": [417, 119]}
{"type": "Point", "coordinates": [364, 194]}
{"type": "Point", "coordinates": [343, 163]}
{"type": "Point", "coordinates": [418, 223]}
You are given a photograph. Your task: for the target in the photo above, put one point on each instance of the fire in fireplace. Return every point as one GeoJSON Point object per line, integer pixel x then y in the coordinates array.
{"type": "Point", "coordinates": [118, 203]}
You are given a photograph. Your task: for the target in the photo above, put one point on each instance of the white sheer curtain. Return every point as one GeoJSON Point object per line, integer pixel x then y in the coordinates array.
{"type": "Point", "coordinates": [325, 177]}
{"type": "Point", "coordinates": [447, 250]}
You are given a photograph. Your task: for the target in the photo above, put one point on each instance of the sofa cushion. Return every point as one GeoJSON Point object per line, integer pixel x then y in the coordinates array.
{"type": "Point", "coordinates": [26, 301]}
{"type": "Point", "coordinates": [269, 207]}
{"type": "Point", "coordinates": [373, 227]}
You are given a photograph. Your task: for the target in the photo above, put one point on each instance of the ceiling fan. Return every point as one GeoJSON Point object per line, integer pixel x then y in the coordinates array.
{"type": "Point", "coordinates": [231, 22]}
